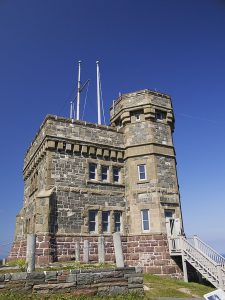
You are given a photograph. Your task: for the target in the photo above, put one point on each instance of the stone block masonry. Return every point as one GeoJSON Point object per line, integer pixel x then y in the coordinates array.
{"type": "Point", "coordinates": [77, 282]}
{"type": "Point", "coordinates": [150, 252]}
{"type": "Point", "coordinates": [83, 181]}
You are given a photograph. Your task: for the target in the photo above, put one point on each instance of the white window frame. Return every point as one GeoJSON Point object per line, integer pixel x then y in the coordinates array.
{"type": "Point", "coordinates": [95, 221]}
{"type": "Point", "coordinates": [116, 168]}
{"type": "Point", "coordinates": [139, 172]}
{"type": "Point", "coordinates": [107, 177]}
{"type": "Point", "coordinates": [142, 221]}
{"type": "Point", "coordinates": [95, 173]}
{"type": "Point", "coordinates": [108, 222]}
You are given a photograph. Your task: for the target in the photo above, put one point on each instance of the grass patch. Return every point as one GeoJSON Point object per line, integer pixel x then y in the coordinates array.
{"type": "Point", "coordinates": [166, 287]}
{"type": "Point", "coordinates": [58, 267]}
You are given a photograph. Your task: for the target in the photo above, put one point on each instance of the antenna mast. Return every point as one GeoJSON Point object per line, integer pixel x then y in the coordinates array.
{"type": "Point", "coordinates": [78, 91]}
{"type": "Point", "coordinates": [71, 109]}
{"type": "Point", "coordinates": [98, 94]}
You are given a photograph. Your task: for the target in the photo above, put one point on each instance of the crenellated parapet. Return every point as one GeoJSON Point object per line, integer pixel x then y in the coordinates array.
{"type": "Point", "coordinates": [146, 103]}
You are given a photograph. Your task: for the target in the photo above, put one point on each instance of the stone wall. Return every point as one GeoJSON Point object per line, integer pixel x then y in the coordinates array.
{"type": "Point", "coordinates": [77, 282]}
{"type": "Point", "coordinates": [150, 252]}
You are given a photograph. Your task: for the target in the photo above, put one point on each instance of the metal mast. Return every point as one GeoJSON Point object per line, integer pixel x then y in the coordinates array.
{"type": "Point", "coordinates": [78, 91]}
{"type": "Point", "coordinates": [98, 94]}
{"type": "Point", "coordinates": [71, 109]}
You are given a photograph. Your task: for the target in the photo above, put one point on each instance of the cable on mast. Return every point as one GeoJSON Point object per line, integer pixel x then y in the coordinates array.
{"type": "Point", "coordinates": [85, 100]}
{"type": "Point", "coordinates": [102, 102]}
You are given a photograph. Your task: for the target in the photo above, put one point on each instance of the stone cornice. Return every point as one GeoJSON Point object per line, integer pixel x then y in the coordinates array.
{"type": "Point", "coordinates": [70, 121]}
{"type": "Point", "coordinates": [51, 143]}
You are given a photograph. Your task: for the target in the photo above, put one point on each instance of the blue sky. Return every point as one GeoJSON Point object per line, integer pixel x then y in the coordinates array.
{"type": "Point", "coordinates": [176, 47]}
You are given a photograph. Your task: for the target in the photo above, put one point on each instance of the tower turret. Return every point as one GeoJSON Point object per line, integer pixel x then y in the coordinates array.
{"type": "Point", "coordinates": [151, 187]}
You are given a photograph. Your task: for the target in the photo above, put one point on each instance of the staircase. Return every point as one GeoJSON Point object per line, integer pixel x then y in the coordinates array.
{"type": "Point", "coordinates": [202, 257]}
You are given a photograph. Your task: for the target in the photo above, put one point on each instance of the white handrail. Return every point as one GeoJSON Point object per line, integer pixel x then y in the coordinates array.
{"type": "Point", "coordinates": [208, 251]}
{"type": "Point", "coordinates": [206, 264]}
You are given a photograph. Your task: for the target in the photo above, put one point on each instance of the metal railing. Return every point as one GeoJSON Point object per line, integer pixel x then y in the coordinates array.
{"type": "Point", "coordinates": [207, 251]}
{"type": "Point", "coordinates": [201, 256]}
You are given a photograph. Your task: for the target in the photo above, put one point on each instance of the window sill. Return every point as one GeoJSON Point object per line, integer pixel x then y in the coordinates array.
{"type": "Point", "coordinates": [143, 181]}
{"type": "Point", "coordinates": [104, 183]}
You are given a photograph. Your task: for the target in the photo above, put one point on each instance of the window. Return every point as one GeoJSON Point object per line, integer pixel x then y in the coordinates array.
{"type": "Point", "coordinates": [137, 116]}
{"type": "Point", "coordinates": [92, 221]}
{"type": "Point", "coordinates": [142, 172]}
{"type": "Point", "coordinates": [160, 115]}
{"type": "Point", "coordinates": [117, 219]}
{"type": "Point", "coordinates": [116, 174]}
{"type": "Point", "coordinates": [169, 213]}
{"type": "Point", "coordinates": [92, 171]}
{"type": "Point", "coordinates": [105, 221]}
{"type": "Point", "coordinates": [105, 173]}
{"type": "Point", "coordinates": [145, 220]}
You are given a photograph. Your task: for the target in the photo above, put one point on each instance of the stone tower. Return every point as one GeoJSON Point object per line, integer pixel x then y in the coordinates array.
{"type": "Point", "coordinates": [151, 186]}
{"type": "Point", "coordinates": [83, 180]}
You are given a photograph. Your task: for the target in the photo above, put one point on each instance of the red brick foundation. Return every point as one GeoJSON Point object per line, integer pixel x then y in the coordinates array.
{"type": "Point", "coordinates": [148, 251]}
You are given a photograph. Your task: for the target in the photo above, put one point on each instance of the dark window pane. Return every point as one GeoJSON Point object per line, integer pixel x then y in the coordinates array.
{"type": "Point", "coordinates": [92, 226]}
{"type": "Point", "coordinates": [145, 225]}
{"type": "Point", "coordinates": [105, 221]}
{"type": "Point", "coordinates": [169, 213]}
{"type": "Point", "coordinates": [92, 215]}
{"type": "Point", "coordinates": [92, 171]}
{"type": "Point", "coordinates": [105, 227]}
{"type": "Point", "coordinates": [160, 115]}
{"type": "Point", "coordinates": [142, 176]}
{"type": "Point", "coordinates": [145, 215]}
{"type": "Point", "coordinates": [142, 173]}
{"type": "Point", "coordinates": [115, 174]}
{"type": "Point", "coordinates": [142, 168]}
{"type": "Point", "coordinates": [145, 219]}
{"type": "Point", "coordinates": [117, 219]}
{"type": "Point", "coordinates": [105, 216]}
{"type": "Point", "coordinates": [117, 216]}
{"type": "Point", "coordinates": [104, 173]}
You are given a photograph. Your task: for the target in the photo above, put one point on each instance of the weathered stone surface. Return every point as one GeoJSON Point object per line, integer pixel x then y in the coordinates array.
{"type": "Point", "coordinates": [56, 165]}
{"type": "Point", "coordinates": [85, 279]}
{"type": "Point", "coordinates": [18, 276]}
{"type": "Point", "coordinates": [36, 276]}
{"type": "Point", "coordinates": [71, 278]}
{"type": "Point", "coordinates": [135, 280]}
{"type": "Point", "coordinates": [114, 290]}
{"type": "Point", "coordinates": [8, 276]}
{"type": "Point", "coordinates": [53, 286]}
{"type": "Point", "coordinates": [2, 277]}
{"type": "Point", "coordinates": [50, 276]}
